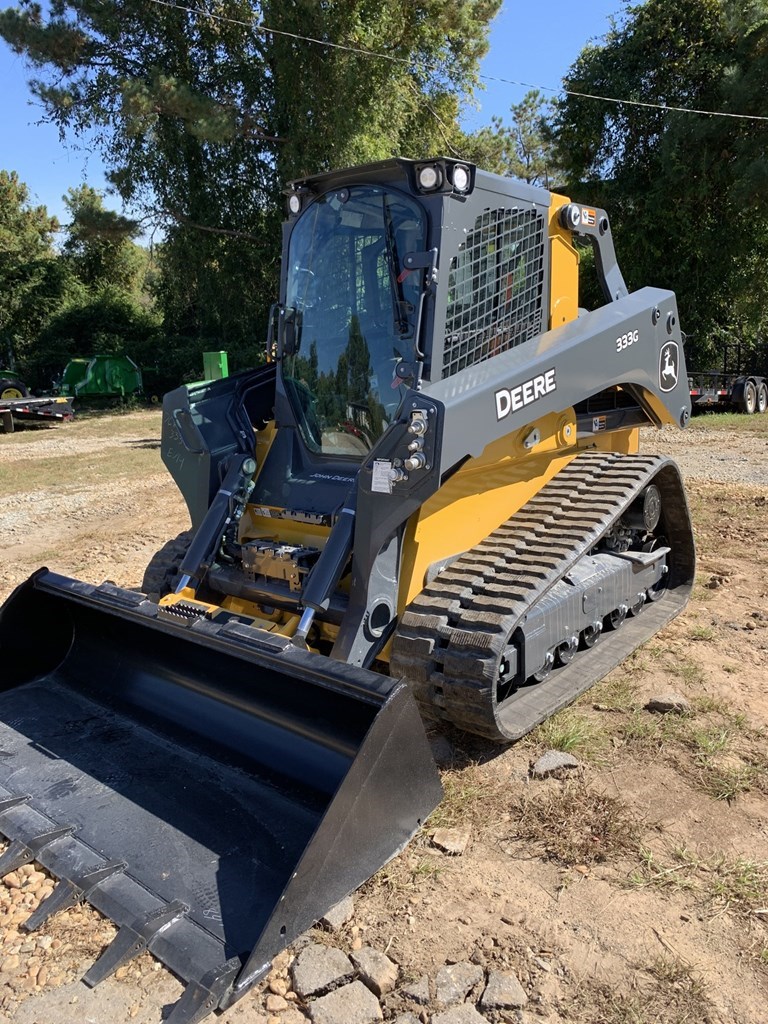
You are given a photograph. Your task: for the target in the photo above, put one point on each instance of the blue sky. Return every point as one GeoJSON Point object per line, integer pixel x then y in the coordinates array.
{"type": "Point", "coordinates": [529, 43]}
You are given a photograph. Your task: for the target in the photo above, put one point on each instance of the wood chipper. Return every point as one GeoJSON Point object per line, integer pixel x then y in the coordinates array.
{"type": "Point", "coordinates": [429, 499]}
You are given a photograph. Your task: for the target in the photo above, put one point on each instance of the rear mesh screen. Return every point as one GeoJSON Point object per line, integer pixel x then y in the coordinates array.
{"type": "Point", "coordinates": [495, 288]}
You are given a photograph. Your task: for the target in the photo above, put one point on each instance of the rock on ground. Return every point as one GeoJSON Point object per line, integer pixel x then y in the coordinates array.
{"type": "Point", "coordinates": [290, 1016]}
{"type": "Point", "coordinates": [417, 991]}
{"type": "Point", "coordinates": [465, 1014]}
{"type": "Point", "coordinates": [456, 981]}
{"type": "Point", "coordinates": [503, 992]}
{"type": "Point", "coordinates": [451, 840]}
{"type": "Point", "coordinates": [339, 914]}
{"type": "Point", "coordinates": [352, 1004]}
{"type": "Point", "coordinates": [553, 761]}
{"type": "Point", "coordinates": [376, 970]}
{"type": "Point", "coordinates": [668, 703]}
{"type": "Point", "coordinates": [317, 968]}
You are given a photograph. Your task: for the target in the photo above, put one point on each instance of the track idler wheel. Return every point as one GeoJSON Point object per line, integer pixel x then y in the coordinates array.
{"type": "Point", "coordinates": [591, 634]}
{"type": "Point", "coordinates": [638, 604]}
{"type": "Point", "coordinates": [616, 618]}
{"type": "Point", "coordinates": [567, 650]}
{"type": "Point", "coordinates": [546, 668]}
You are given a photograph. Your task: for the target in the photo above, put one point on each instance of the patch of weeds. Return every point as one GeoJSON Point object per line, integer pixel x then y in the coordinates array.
{"type": "Point", "coordinates": [739, 884]}
{"type": "Point", "coordinates": [571, 732]}
{"type": "Point", "coordinates": [708, 705]}
{"type": "Point", "coordinates": [708, 740]}
{"type": "Point", "coordinates": [465, 801]}
{"type": "Point", "coordinates": [675, 877]}
{"type": "Point", "coordinates": [404, 874]}
{"type": "Point", "coordinates": [702, 633]}
{"type": "Point", "coordinates": [613, 694]}
{"type": "Point", "coordinates": [577, 825]}
{"type": "Point", "coordinates": [686, 669]}
{"type": "Point", "coordinates": [668, 991]}
{"type": "Point", "coordinates": [728, 781]}
{"type": "Point", "coordinates": [654, 651]}
{"type": "Point", "coordinates": [721, 884]}
{"type": "Point", "coordinates": [426, 868]}
{"type": "Point", "coordinates": [645, 733]}
{"type": "Point", "coordinates": [721, 766]}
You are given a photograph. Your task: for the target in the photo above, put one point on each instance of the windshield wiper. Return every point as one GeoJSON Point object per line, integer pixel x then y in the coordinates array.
{"type": "Point", "coordinates": [398, 302]}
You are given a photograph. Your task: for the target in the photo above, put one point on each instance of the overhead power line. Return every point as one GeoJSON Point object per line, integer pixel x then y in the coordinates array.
{"type": "Point", "coordinates": [376, 55]}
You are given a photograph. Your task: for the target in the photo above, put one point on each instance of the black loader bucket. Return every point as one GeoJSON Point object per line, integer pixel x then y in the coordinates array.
{"type": "Point", "coordinates": [211, 788]}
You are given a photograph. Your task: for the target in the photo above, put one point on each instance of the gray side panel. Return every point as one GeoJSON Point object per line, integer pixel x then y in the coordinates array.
{"type": "Point", "coordinates": [205, 423]}
{"type": "Point", "coordinates": [623, 343]}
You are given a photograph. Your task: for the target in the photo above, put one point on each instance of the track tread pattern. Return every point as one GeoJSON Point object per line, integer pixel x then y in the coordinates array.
{"type": "Point", "coordinates": [450, 639]}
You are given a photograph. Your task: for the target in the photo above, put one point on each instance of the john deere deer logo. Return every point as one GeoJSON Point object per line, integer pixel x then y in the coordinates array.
{"type": "Point", "coordinates": [669, 362]}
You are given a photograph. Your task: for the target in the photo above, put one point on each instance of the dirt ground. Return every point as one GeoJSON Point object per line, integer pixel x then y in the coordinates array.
{"type": "Point", "coordinates": [632, 891]}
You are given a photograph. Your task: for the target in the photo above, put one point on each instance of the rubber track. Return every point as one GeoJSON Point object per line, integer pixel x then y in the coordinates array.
{"type": "Point", "coordinates": [450, 639]}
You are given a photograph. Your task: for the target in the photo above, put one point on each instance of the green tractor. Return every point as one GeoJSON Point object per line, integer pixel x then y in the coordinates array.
{"type": "Point", "coordinates": [11, 386]}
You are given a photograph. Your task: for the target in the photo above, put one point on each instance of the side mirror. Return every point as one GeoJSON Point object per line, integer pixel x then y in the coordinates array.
{"type": "Point", "coordinates": [288, 331]}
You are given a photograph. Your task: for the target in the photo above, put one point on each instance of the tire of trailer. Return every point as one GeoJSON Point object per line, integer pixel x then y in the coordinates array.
{"type": "Point", "coordinates": [162, 573]}
{"type": "Point", "coordinates": [762, 397]}
{"type": "Point", "coordinates": [12, 387]}
{"type": "Point", "coordinates": [749, 398]}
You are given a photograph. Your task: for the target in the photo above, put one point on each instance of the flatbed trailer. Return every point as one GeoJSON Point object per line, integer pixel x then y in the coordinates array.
{"type": "Point", "coordinates": [746, 393]}
{"type": "Point", "coordinates": [741, 385]}
{"type": "Point", "coordinates": [34, 410]}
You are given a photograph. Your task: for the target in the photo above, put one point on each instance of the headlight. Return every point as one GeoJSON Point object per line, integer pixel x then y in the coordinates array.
{"type": "Point", "coordinates": [461, 178]}
{"type": "Point", "coordinates": [294, 203]}
{"type": "Point", "coordinates": [430, 178]}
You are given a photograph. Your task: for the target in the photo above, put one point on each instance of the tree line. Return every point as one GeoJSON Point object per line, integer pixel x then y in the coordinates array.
{"type": "Point", "coordinates": [202, 112]}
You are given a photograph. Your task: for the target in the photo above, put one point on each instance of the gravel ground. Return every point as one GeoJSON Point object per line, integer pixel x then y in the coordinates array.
{"type": "Point", "coordinates": [707, 453]}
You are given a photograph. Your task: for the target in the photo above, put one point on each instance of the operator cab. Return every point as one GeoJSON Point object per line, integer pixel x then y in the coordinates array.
{"type": "Point", "coordinates": [355, 306]}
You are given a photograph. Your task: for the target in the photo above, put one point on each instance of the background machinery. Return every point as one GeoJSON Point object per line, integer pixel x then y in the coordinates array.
{"type": "Point", "coordinates": [430, 496]}
{"type": "Point", "coordinates": [741, 384]}
{"type": "Point", "coordinates": [19, 406]}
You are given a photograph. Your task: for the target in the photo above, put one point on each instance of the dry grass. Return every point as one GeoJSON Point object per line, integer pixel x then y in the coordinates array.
{"type": "Point", "coordinates": [466, 800]}
{"type": "Point", "coordinates": [719, 883]}
{"type": "Point", "coordinates": [572, 732]}
{"type": "Point", "coordinates": [129, 451]}
{"type": "Point", "coordinates": [574, 824]}
{"type": "Point", "coordinates": [664, 992]}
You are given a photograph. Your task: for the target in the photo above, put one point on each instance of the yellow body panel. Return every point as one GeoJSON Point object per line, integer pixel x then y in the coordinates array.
{"type": "Point", "coordinates": [488, 490]}
{"type": "Point", "coordinates": [564, 269]}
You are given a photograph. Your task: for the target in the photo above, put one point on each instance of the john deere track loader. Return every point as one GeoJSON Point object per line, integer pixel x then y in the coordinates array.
{"type": "Point", "coordinates": [430, 496]}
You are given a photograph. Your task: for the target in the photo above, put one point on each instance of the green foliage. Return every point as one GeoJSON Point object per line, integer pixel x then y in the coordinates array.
{"type": "Point", "coordinates": [99, 243]}
{"type": "Point", "coordinates": [88, 298]}
{"type": "Point", "coordinates": [202, 116]}
{"type": "Point", "coordinates": [523, 150]}
{"type": "Point", "coordinates": [107, 321]}
{"type": "Point", "coordinates": [32, 280]}
{"type": "Point", "coordinates": [683, 191]}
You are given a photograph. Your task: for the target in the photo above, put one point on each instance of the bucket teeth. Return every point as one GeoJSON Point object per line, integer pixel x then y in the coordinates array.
{"type": "Point", "coordinates": [20, 853]}
{"type": "Point", "coordinates": [70, 891]}
{"type": "Point", "coordinates": [13, 801]}
{"type": "Point", "coordinates": [203, 997]}
{"type": "Point", "coordinates": [132, 940]}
